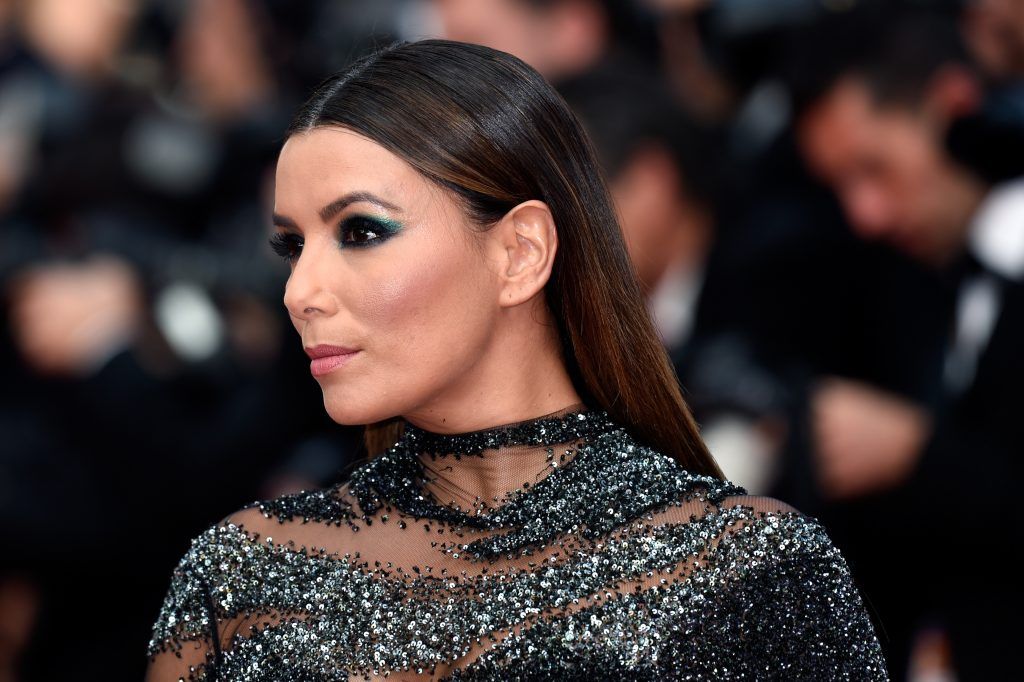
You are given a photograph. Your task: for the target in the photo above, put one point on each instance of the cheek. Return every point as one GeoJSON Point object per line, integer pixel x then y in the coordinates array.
{"type": "Point", "coordinates": [399, 305]}
{"type": "Point", "coordinates": [419, 328]}
{"type": "Point", "coordinates": [914, 183]}
{"type": "Point", "coordinates": [418, 317]}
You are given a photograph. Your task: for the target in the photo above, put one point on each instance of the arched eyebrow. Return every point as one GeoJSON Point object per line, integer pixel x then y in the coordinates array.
{"type": "Point", "coordinates": [337, 206]}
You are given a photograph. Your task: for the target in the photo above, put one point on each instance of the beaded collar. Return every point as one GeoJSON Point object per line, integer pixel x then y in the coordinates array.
{"type": "Point", "coordinates": [610, 480]}
{"type": "Point", "coordinates": [538, 432]}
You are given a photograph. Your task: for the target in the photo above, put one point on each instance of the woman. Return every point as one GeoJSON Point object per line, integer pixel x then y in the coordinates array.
{"type": "Point", "coordinates": [542, 506]}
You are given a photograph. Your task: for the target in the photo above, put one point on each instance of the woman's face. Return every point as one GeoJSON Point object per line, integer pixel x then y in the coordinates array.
{"type": "Point", "coordinates": [389, 288]}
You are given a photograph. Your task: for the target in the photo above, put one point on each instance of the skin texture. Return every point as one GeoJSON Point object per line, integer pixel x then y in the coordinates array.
{"type": "Point", "coordinates": [889, 168]}
{"type": "Point", "coordinates": [449, 320]}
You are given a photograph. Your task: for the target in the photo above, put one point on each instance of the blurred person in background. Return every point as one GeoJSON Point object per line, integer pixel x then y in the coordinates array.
{"type": "Point", "coordinates": [785, 298]}
{"type": "Point", "coordinates": [994, 32]}
{"type": "Point", "coordinates": [57, 62]}
{"type": "Point", "coordinates": [661, 170]}
{"type": "Point", "coordinates": [141, 324]}
{"type": "Point", "coordinates": [875, 127]}
{"type": "Point", "coordinates": [991, 139]}
{"type": "Point", "coordinates": [665, 172]}
{"type": "Point", "coordinates": [559, 38]}
{"type": "Point", "coordinates": [686, 35]}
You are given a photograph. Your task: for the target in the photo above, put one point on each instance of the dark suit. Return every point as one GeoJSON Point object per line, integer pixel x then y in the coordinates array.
{"type": "Point", "coordinates": [964, 500]}
{"type": "Point", "coordinates": [792, 295]}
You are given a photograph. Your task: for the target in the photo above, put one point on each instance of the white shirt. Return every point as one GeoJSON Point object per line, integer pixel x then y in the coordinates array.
{"type": "Point", "coordinates": [673, 304]}
{"type": "Point", "coordinates": [996, 240]}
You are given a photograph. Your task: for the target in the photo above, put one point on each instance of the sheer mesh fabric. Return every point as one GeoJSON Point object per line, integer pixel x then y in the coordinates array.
{"type": "Point", "coordinates": [629, 566]}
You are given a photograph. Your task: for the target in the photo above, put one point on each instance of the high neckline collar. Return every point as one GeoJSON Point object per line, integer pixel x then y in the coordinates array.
{"type": "Point", "coordinates": [568, 424]}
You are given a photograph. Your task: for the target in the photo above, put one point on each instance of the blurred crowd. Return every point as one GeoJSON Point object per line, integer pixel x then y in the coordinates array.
{"type": "Point", "coordinates": [823, 200]}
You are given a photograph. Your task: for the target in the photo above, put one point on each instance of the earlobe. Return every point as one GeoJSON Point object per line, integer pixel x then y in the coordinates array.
{"type": "Point", "coordinates": [530, 241]}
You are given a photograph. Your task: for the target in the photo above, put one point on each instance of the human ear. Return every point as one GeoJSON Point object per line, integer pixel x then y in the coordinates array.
{"type": "Point", "coordinates": [953, 92]}
{"type": "Point", "coordinates": [528, 241]}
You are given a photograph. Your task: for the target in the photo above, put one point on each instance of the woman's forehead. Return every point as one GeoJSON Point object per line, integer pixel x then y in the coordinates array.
{"type": "Point", "coordinates": [332, 149]}
{"type": "Point", "coordinates": [323, 163]}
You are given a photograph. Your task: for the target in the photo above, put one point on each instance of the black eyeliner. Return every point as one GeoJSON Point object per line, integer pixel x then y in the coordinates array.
{"type": "Point", "coordinates": [383, 228]}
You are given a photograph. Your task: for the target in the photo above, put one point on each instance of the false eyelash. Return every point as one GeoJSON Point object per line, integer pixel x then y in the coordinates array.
{"type": "Point", "coordinates": [286, 245]}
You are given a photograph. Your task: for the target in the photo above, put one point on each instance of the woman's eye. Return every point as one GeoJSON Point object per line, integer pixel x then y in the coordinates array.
{"type": "Point", "coordinates": [364, 231]}
{"type": "Point", "coordinates": [287, 245]}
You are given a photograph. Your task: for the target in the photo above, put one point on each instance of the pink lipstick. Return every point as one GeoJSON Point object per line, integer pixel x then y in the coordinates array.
{"type": "Point", "coordinates": [324, 359]}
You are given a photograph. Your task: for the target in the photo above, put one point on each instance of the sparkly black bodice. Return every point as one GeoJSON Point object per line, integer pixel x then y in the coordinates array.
{"type": "Point", "coordinates": [557, 548]}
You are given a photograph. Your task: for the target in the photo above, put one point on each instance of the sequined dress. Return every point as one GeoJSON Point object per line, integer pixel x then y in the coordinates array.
{"type": "Point", "coordinates": [552, 549]}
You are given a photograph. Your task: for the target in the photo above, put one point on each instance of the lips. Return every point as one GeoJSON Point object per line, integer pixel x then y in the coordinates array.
{"type": "Point", "coordinates": [324, 358]}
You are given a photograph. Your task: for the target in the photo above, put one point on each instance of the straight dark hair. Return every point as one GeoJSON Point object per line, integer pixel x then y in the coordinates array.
{"type": "Point", "coordinates": [491, 130]}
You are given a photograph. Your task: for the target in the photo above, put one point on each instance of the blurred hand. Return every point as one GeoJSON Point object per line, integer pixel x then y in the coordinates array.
{"type": "Point", "coordinates": [69, 319]}
{"type": "Point", "coordinates": [865, 439]}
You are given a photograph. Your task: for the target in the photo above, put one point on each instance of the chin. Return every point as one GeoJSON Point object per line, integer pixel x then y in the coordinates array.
{"type": "Point", "coordinates": [349, 411]}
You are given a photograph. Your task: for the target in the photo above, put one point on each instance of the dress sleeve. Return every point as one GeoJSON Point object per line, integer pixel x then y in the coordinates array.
{"type": "Point", "coordinates": [185, 643]}
{"type": "Point", "coordinates": [801, 616]}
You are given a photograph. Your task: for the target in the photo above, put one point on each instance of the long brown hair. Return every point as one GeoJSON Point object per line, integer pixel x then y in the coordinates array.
{"type": "Point", "coordinates": [490, 129]}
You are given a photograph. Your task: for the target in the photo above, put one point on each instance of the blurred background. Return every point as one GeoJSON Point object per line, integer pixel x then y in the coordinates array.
{"type": "Point", "coordinates": [820, 198]}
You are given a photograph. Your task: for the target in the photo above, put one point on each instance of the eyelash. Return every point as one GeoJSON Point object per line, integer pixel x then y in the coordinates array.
{"type": "Point", "coordinates": [288, 245]}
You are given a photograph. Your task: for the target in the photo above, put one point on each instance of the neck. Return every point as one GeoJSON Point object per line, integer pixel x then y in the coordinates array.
{"type": "Point", "coordinates": [480, 469]}
{"type": "Point", "coordinates": [964, 194]}
{"type": "Point", "coordinates": [520, 376]}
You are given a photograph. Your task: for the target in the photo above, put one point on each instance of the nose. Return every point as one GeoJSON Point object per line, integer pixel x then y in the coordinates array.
{"type": "Point", "coordinates": [308, 293]}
